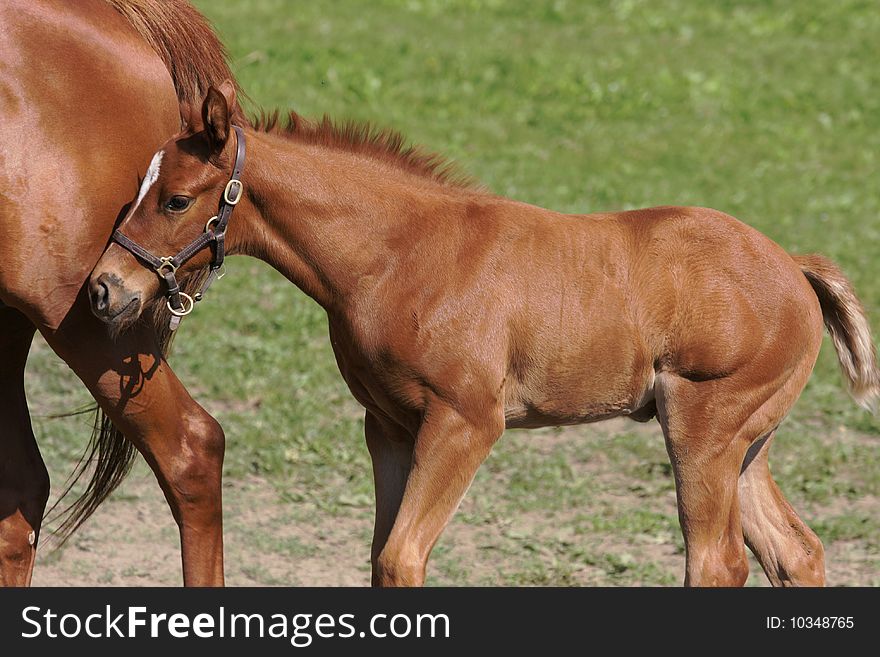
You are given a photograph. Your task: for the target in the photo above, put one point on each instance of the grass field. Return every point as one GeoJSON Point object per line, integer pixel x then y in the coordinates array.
{"type": "Point", "coordinates": [767, 110]}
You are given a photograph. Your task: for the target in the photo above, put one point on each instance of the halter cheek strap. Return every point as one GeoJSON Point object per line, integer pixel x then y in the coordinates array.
{"type": "Point", "coordinates": [179, 303]}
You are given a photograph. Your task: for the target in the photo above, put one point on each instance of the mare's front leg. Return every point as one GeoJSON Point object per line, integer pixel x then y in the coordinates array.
{"type": "Point", "coordinates": [181, 442]}
{"type": "Point", "coordinates": [24, 482]}
{"type": "Point", "coordinates": [449, 447]}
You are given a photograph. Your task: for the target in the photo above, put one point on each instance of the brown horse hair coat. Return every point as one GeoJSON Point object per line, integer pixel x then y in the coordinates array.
{"type": "Point", "coordinates": [77, 144]}
{"type": "Point", "coordinates": [455, 314]}
{"type": "Point", "coordinates": [843, 313]}
{"type": "Point", "coordinates": [195, 59]}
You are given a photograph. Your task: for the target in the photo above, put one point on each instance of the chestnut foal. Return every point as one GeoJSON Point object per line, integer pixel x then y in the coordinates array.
{"type": "Point", "coordinates": [454, 313]}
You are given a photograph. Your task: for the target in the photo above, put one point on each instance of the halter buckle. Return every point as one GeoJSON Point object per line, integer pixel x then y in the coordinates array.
{"type": "Point", "coordinates": [232, 193]}
{"type": "Point", "coordinates": [166, 262]}
{"type": "Point", "coordinates": [211, 221]}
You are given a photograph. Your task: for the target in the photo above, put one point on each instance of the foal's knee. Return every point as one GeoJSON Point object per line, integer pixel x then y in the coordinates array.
{"type": "Point", "coordinates": [398, 567]}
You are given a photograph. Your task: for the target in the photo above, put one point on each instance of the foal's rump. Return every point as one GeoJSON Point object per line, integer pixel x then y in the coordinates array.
{"type": "Point", "coordinates": [714, 294]}
{"type": "Point", "coordinates": [724, 295]}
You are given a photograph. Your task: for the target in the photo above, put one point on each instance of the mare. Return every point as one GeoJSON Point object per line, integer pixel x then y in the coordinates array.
{"type": "Point", "coordinates": [88, 90]}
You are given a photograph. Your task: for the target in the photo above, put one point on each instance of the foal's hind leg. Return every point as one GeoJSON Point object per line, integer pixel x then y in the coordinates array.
{"type": "Point", "coordinates": [789, 552]}
{"type": "Point", "coordinates": [709, 428]}
{"type": "Point", "coordinates": [706, 426]}
{"type": "Point", "coordinates": [24, 482]}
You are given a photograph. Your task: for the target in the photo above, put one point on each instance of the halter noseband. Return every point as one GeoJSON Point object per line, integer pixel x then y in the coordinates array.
{"type": "Point", "coordinates": [179, 303]}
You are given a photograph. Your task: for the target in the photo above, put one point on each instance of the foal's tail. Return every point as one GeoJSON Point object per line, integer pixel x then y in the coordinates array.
{"type": "Point", "coordinates": [846, 322]}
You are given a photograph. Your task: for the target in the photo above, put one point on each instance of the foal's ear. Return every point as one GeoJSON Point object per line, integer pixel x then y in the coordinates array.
{"type": "Point", "coordinates": [217, 113]}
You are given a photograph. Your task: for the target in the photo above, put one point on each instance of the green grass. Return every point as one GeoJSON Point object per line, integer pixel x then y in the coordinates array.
{"type": "Point", "coordinates": [767, 110]}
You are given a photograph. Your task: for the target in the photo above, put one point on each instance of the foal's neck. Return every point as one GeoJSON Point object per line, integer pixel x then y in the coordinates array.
{"type": "Point", "coordinates": [328, 219]}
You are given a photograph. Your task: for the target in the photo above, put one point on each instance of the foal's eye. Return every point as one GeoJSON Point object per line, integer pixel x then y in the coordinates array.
{"type": "Point", "coordinates": [178, 203]}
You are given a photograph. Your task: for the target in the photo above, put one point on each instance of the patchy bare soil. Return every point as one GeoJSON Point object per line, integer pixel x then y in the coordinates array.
{"type": "Point", "coordinates": [624, 533]}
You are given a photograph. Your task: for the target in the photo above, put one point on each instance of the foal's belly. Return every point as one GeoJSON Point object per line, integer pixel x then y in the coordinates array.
{"type": "Point", "coordinates": [606, 390]}
{"type": "Point", "coordinates": [527, 415]}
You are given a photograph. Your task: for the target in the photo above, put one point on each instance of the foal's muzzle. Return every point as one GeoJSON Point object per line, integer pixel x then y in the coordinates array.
{"type": "Point", "coordinates": [111, 302]}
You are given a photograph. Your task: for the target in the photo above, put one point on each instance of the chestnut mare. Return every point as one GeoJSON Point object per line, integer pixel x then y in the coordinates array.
{"type": "Point", "coordinates": [87, 97]}
{"type": "Point", "coordinates": [454, 313]}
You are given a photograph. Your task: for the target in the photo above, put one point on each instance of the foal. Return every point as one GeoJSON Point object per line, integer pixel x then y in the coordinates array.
{"type": "Point", "coordinates": [454, 314]}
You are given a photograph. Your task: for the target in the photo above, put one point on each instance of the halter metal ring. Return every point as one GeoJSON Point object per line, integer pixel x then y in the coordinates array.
{"type": "Point", "coordinates": [185, 310]}
{"type": "Point", "coordinates": [211, 221]}
{"type": "Point", "coordinates": [166, 262]}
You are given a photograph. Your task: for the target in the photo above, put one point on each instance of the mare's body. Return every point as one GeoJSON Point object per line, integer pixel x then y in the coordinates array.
{"type": "Point", "coordinates": [85, 101]}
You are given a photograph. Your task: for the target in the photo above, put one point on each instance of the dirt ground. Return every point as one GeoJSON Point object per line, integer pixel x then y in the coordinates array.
{"type": "Point", "coordinates": [132, 541]}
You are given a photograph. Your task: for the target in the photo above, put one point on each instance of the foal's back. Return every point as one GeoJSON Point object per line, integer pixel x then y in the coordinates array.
{"type": "Point", "coordinates": [598, 305]}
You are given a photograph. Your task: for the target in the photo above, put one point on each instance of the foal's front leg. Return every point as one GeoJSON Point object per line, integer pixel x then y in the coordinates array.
{"type": "Point", "coordinates": [391, 449]}
{"type": "Point", "coordinates": [448, 450]}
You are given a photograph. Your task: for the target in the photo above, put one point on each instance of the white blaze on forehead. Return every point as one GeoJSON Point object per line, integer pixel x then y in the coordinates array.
{"type": "Point", "coordinates": [150, 177]}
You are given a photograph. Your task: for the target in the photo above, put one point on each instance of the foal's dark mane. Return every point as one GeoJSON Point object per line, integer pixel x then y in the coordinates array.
{"type": "Point", "coordinates": [383, 144]}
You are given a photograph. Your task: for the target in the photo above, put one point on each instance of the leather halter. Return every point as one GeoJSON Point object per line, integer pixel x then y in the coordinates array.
{"type": "Point", "coordinates": [179, 303]}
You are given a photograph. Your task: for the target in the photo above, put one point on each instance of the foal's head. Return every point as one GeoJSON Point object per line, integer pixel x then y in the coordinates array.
{"type": "Point", "coordinates": [179, 195]}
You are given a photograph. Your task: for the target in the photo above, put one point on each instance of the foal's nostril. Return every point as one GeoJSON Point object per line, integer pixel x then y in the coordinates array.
{"type": "Point", "coordinates": [100, 296]}
{"type": "Point", "coordinates": [103, 300]}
